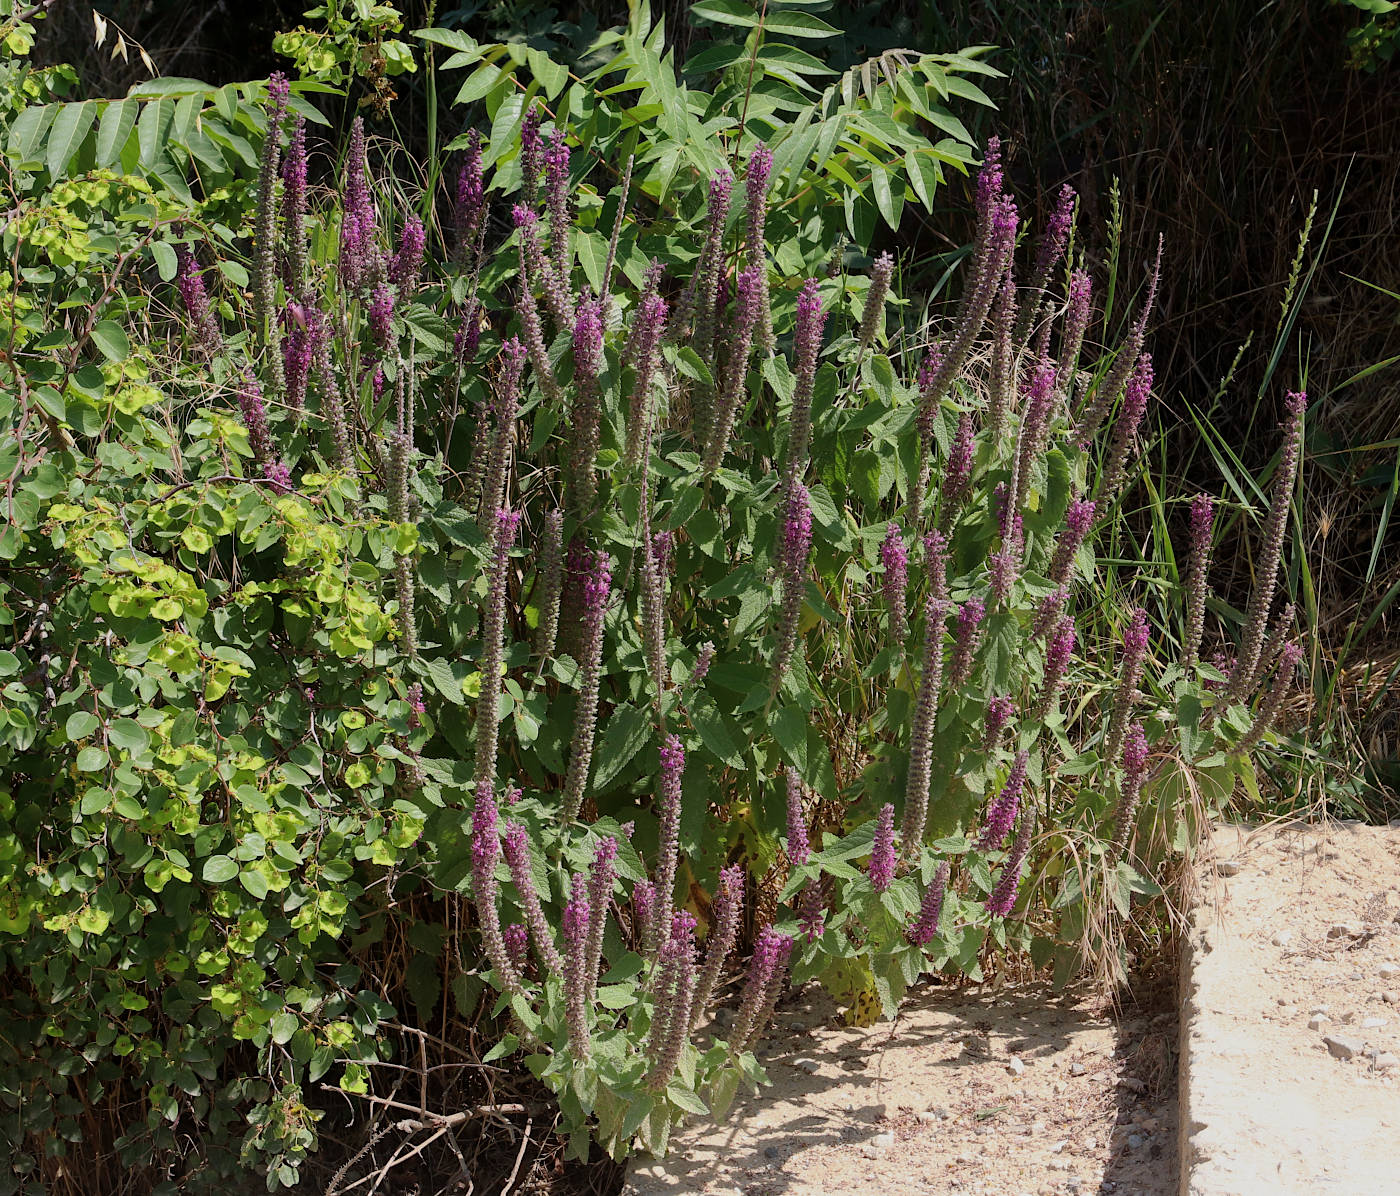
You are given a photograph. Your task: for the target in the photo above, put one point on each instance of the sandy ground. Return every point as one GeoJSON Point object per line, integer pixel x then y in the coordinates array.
{"type": "Point", "coordinates": [1293, 1003]}
{"type": "Point", "coordinates": [1016, 1091]}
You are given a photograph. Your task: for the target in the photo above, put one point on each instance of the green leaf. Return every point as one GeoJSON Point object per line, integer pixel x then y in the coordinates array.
{"type": "Point", "coordinates": [110, 338]}
{"type": "Point", "coordinates": [167, 265]}
{"type": "Point", "coordinates": [92, 759]}
{"type": "Point", "coordinates": [626, 729]}
{"type": "Point", "coordinates": [153, 130]}
{"type": "Point", "coordinates": [118, 119]}
{"type": "Point", "coordinates": [789, 728]}
{"type": "Point", "coordinates": [129, 735]}
{"type": "Point", "coordinates": [80, 725]}
{"type": "Point", "coordinates": [69, 128]}
{"type": "Point", "coordinates": [713, 731]}
{"type": "Point", "coordinates": [218, 869]}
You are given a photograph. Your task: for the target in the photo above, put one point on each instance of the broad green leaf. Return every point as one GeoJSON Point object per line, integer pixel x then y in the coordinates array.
{"type": "Point", "coordinates": [218, 869]}
{"type": "Point", "coordinates": [69, 128]}
{"type": "Point", "coordinates": [110, 338]}
{"type": "Point", "coordinates": [118, 119]}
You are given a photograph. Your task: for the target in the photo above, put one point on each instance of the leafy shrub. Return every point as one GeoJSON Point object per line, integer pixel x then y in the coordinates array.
{"type": "Point", "coordinates": [636, 514]}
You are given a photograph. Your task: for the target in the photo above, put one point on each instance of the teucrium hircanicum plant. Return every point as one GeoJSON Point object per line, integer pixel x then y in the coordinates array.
{"type": "Point", "coordinates": [640, 514]}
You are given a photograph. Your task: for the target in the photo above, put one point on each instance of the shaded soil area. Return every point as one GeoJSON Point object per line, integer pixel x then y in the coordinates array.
{"type": "Point", "coordinates": [995, 1091]}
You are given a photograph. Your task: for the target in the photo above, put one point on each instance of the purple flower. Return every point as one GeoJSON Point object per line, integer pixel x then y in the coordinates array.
{"type": "Point", "coordinates": [294, 208]}
{"type": "Point", "coordinates": [958, 471]}
{"type": "Point", "coordinates": [926, 705]}
{"type": "Point", "coordinates": [925, 928]}
{"type": "Point", "coordinates": [928, 370]}
{"type": "Point", "coordinates": [250, 405]}
{"type": "Point", "coordinates": [597, 586]}
{"type": "Point", "coordinates": [502, 538]}
{"type": "Point", "coordinates": [279, 477]}
{"type": "Point", "coordinates": [381, 317]}
{"type": "Point", "coordinates": [792, 561]}
{"type": "Point", "coordinates": [556, 182]}
{"type": "Point", "coordinates": [990, 181]}
{"type": "Point", "coordinates": [486, 852]}
{"type": "Point", "coordinates": [1134, 774]}
{"type": "Point", "coordinates": [416, 708]}
{"type": "Point", "coordinates": [1001, 814]}
{"type": "Point", "coordinates": [1003, 898]}
{"type": "Point", "coordinates": [882, 856]}
{"type": "Point", "coordinates": [1079, 518]}
{"type": "Point", "coordinates": [1289, 658]}
{"type": "Point", "coordinates": [703, 659]}
{"type": "Point", "coordinates": [468, 335]}
{"type": "Point", "coordinates": [1202, 522]}
{"type": "Point", "coordinates": [206, 338]}
{"type": "Point", "coordinates": [967, 636]}
{"type": "Point", "coordinates": [668, 801]}
{"type": "Point", "coordinates": [1048, 612]}
{"type": "Point", "coordinates": [798, 847]}
{"type": "Point", "coordinates": [296, 358]}
{"type": "Point", "coordinates": [895, 558]}
{"type": "Point", "coordinates": [734, 369]}
{"type": "Point", "coordinates": [359, 256]}
{"type": "Point", "coordinates": [471, 197]}
{"type": "Point", "coordinates": [997, 716]}
{"type": "Point", "coordinates": [1052, 244]}
{"type": "Point", "coordinates": [531, 152]}
{"type": "Point", "coordinates": [1135, 397]}
{"type": "Point", "coordinates": [517, 940]}
{"type": "Point", "coordinates": [408, 261]}
{"type": "Point", "coordinates": [600, 887]}
{"type": "Point", "coordinates": [1058, 654]}
{"type": "Point", "coordinates": [1035, 426]}
{"type": "Point", "coordinates": [648, 325]}
{"type": "Point", "coordinates": [576, 980]}
{"type": "Point", "coordinates": [1005, 565]}
{"type": "Point", "coordinates": [761, 987]}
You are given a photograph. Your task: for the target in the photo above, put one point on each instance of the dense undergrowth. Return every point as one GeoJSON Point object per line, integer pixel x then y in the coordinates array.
{"type": "Point", "coordinates": [527, 597]}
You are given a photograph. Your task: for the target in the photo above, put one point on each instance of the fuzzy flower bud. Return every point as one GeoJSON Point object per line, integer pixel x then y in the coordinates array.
{"type": "Point", "coordinates": [1079, 518]}
{"type": "Point", "coordinates": [517, 940]}
{"type": "Point", "coordinates": [1077, 316]}
{"type": "Point", "coordinates": [807, 343]}
{"type": "Point", "coordinates": [895, 558]}
{"type": "Point", "coordinates": [798, 847]}
{"type": "Point", "coordinates": [1135, 397]}
{"type": "Point", "coordinates": [925, 715]}
{"type": "Point", "coordinates": [588, 360]}
{"type": "Point", "coordinates": [1289, 659]}
{"type": "Point", "coordinates": [1003, 898]}
{"type": "Point", "coordinates": [254, 412]}
{"type": "Point", "coordinates": [522, 873]}
{"type": "Point", "coordinates": [967, 636]}
{"type": "Point", "coordinates": [600, 887]}
{"type": "Point", "coordinates": [493, 648]}
{"type": "Point", "coordinates": [1048, 612]}
{"type": "Point", "coordinates": [549, 572]}
{"type": "Point", "coordinates": [874, 308]}
{"type": "Point", "coordinates": [648, 326]}
{"type": "Point", "coordinates": [924, 929]}
{"type": "Point", "coordinates": [703, 659]}
{"type": "Point", "coordinates": [596, 589]}
{"type": "Point", "coordinates": [668, 802]}
{"type": "Point", "coordinates": [882, 856]}
{"type": "Point", "coordinates": [795, 548]}
{"type": "Point", "coordinates": [1001, 814]}
{"type": "Point", "coordinates": [408, 260]}
{"type": "Point", "coordinates": [1135, 640]}
{"type": "Point", "coordinates": [556, 172]}
{"type": "Point", "coordinates": [995, 720]}
{"type": "Point", "coordinates": [1134, 774]}
{"type": "Point", "coordinates": [486, 852]}
{"type": "Point", "coordinates": [724, 929]}
{"type": "Point", "coordinates": [576, 985]}
{"type": "Point", "coordinates": [735, 367]}
{"type": "Point", "coordinates": [531, 152]}
{"type": "Point", "coordinates": [957, 473]}
{"type": "Point", "coordinates": [205, 336]}
{"type": "Point", "coordinates": [1202, 522]}
{"type": "Point", "coordinates": [1261, 598]}
{"type": "Point", "coordinates": [381, 318]}
{"type": "Point", "coordinates": [294, 210]}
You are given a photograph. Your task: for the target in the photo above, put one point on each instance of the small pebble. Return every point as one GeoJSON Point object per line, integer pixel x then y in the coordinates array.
{"type": "Point", "coordinates": [1282, 939]}
{"type": "Point", "coordinates": [1317, 1021]}
{"type": "Point", "coordinates": [1345, 930]}
{"type": "Point", "coordinates": [1015, 1066]}
{"type": "Point", "coordinates": [1228, 867]}
{"type": "Point", "coordinates": [883, 1141]}
{"type": "Point", "coordinates": [1386, 1062]}
{"type": "Point", "coordinates": [1391, 997]}
{"type": "Point", "coordinates": [926, 1118]}
{"type": "Point", "coordinates": [1076, 1069]}
{"type": "Point", "coordinates": [1342, 1048]}
{"type": "Point", "coordinates": [1133, 1084]}
{"type": "Point", "coordinates": [1320, 1009]}
{"type": "Point", "coordinates": [810, 1066]}
{"type": "Point", "coordinates": [1059, 1146]}
{"type": "Point", "coordinates": [1373, 1023]}
{"type": "Point", "coordinates": [1387, 970]}
{"type": "Point", "coordinates": [1135, 1141]}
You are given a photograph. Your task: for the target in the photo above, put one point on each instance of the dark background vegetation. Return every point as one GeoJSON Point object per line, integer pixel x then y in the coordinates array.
{"type": "Point", "coordinates": [1221, 122]}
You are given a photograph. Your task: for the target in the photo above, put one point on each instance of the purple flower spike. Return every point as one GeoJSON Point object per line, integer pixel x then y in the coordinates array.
{"type": "Point", "coordinates": [895, 558]}
{"type": "Point", "coordinates": [204, 328]}
{"type": "Point", "coordinates": [990, 180]}
{"type": "Point", "coordinates": [1077, 315]}
{"type": "Point", "coordinates": [1003, 898]}
{"type": "Point", "coordinates": [1135, 397]}
{"type": "Point", "coordinates": [761, 988]}
{"type": "Point", "coordinates": [967, 637]}
{"type": "Point", "coordinates": [1202, 523]}
{"type": "Point", "coordinates": [811, 911]}
{"type": "Point", "coordinates": [792, 562]}
{"type": "Point", "coordinates": [254, 412]}
{"type": "Point", "coordinates": [668, 798]}
{"type": "Point", "coordinates": [798, 848]}
{"type": "Point", "coordinates": [958, 471]}
{"type": "Point", "coordinates": [882, 856]}
{"type": "Point", "coordinates": [576, 986]}
{"type": "Point", "coordinates": [998, 715]}
{"type": "Point", "coordinates": [1135, 640]}
{"type": "Point", "coordinates": [381, 317]}
{"type": "Point", "coordinates": [925, 928]}
{"type": "Point", "coordinates": [1001, 814]}
{"type": "Point", "coordinates": [1134, 775]}
{"type": "Point", "coordinates": [1058, 654]}
{"type": "Point", "coordinates": [517, 940]}
{"type": "Point", "coordinates": [408, 261]}
{"type": "Point", "coordinates": [597, 587]}
{"type": "Point", "coordinates": [1078, 520]}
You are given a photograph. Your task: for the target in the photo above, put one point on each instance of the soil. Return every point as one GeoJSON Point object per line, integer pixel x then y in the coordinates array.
{"type": "Point", "coordinates": [1006, 1091]}
{"type": "Point", "coordinates": [1301, 946]}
